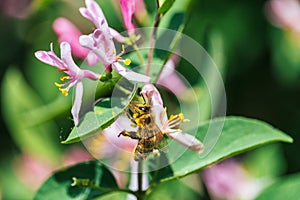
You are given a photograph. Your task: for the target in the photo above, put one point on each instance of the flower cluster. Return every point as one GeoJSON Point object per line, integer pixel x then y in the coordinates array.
{"type": "Point", "coordinates": [99, 47]}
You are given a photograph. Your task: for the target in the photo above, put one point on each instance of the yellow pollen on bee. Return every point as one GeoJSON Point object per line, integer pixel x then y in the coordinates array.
{"type": "Point", "coordinates": [62, 78]}
{"type": "Point", "coordinates": [127, 61]}
{"type": "Point", "coordinates": [64, 91]}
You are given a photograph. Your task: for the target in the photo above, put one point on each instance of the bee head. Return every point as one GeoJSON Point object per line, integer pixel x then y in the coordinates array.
{"type": "Point", "coordinates": [139, 108]}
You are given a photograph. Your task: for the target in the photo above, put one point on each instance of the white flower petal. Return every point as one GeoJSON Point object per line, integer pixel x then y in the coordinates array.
{"type": "Point", "coordinates": [152, 95]}
{"type": "Point", "coordinates": [50, 58]}
{"type": "Point", "coordinates": [92, 59]}
{"type": "Point", "coordinates": [130, 75]}
{"type": "Point", "coordinates": [93, 12]}
{"type": "Point", "coordinates": [66, 56]}
{"type": "Point", "coordinates": [77, 102]}
{"type": "Point", "coordinates": [186, 140]}
{"type": "Point", "coordinates": [112, 132]}
{"type": "Point", "coordinates": [160, 116]}
{"type": "Point", "coordinates": [117, 36]}
{"type": "Point", "coordinates": [87, 41]}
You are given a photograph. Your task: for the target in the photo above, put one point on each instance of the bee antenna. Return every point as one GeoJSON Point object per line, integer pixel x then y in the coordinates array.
{"type": "Point", "coordinates": [143, 98]}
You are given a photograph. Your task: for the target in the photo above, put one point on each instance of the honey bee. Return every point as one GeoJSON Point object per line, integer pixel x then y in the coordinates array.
{"type": "Point", "coordinates": [148, 134]}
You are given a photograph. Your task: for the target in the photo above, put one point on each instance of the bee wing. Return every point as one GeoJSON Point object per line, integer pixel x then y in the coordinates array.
{"type": "Point", "coordinates": [150, 131]}
{"type": "Point", "coordinates": [186, 140]}
{"type": "Point", "coordinates": [124, 123]}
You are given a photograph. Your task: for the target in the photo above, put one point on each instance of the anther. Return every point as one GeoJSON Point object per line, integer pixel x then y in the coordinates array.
{"type": "Point", "coordinates": [62, 78]}
{"type": "Point", "coordinates": [181, 116]}
{"type": "Point", "coordinates": [58, 85]}
{"type": "Point", "coordinates": [127, 61]}
{"type": "Point", "coordinates": [64, 91]}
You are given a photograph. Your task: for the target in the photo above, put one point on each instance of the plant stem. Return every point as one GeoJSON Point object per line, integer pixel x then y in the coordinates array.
{"type": "Point", "coordinates": [153, 39]}
{"type": "Point", "coordinates": [205, 195]}
{"type": "Point", "coordinates": [87, 183]}
{"type": "Point", "coordinates": [111, 189]}
{"type": "Point", "coordinates": [137, 50]}
{"type": "Point", "coordinates": [140, 180]}
{"type": "Point", "coordinates": [122, 89]}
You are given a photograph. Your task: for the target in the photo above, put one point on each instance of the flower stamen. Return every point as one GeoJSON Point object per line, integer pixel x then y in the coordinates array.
{"type": "Point", "coordinates": [58, 84]}
{"type": "Point", "coordinates": [127, 61]}
{"type": "Point", "coordinates": [62, 78]}
{"type": "Point", "coordinates": [123, 49]}
{"type": "Point", "coordinates": [64, 91]}
{"type": "Point", "coordinates": [176, 120]}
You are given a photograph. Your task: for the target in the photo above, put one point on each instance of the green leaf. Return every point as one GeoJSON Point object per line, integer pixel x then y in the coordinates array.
{"type": "Point", "coordinates": [10, 182]}
{"type": "Point", "coordinates": [104, 115]}
{"type": "Point", "coordinates": [114, 195]}
{"type": "Point", "coordinates": [167, 4]}
{"type": "Point", "coordinates": [175, 189]}
{"type": "Point", "coordinates": [19, 100]}
{"type": "Point", "coordinates": [58, 186]}
{"type": "Point", "coordinates": [238, 135]}
{"type": "Point", "coordinates": [284, 188]}
{"type": "Point", "coordinates": [257, 159]}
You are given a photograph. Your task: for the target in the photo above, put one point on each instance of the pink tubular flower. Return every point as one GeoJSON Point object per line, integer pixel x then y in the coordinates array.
{"type": "Point", "coordinates": [94, 13]}
{"type": "Point", "coordinates": [169, 79]}
{"type": "Point", "coordinates": [285, 14]}
{"type": "Point", "coordinates": [26, 165]}
{"type": "Point", "coordinates": [75, 74]}
{"type": "Point", "coordinates": [103, 49]}
{"type": "Point", "coordinates": [140, 10]}
{"type": "Point", "coordinates": [75, 155]}
{"type": "Point", "coordinates": [128, 9]}
{"type": "Point", "coordinates": [116, 151]}
{"type": "Point", "coordinates": [101, 44]}
{"type": "Point", "coordinates": [168, 126]}
{"type": "Point", "coordinates": [67, 32]}
{"type": "Point", "coordinates": [229, 180]}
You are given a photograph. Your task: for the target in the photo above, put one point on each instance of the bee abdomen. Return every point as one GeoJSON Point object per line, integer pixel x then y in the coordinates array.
{"type": "Point", "coordinates": [144, 148]}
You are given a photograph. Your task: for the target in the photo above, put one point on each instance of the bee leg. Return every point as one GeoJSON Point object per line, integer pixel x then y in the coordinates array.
{"type": "Point", "coordinates": [131, 119]}
{"type": "Point", "coordinates": [131, 134]}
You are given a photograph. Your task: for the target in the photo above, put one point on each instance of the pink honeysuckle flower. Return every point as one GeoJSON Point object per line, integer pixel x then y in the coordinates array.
{"type": "Point", "coordinates": [75, 155]}
{"type": "Point", "coordinates": [128, 9]}
{"type": "Point", "coordinates": [26, 165]}
{"type": "Point", "coordinates": [140, 10]}
{"type": "Point", "coordinates": [101, 44]}
{"type": "Point", "coordinates": [20, 9]}
{"type": "Point", "coordinates": [111, 144]}
{"type": "Point", "coordinates": [103, 49]}
{"type": "Point", "coordinates": [169, 79]}
{"type": "Point", "coordinates": [94, 13]}
{"type": "Point", "coordinates": [169, 126]}
{"type": "Point", "coordinates": [229, 180]}
{"type": "Point", "coordinates": [68, 32]}
{"type": "Point", "coordinates": [285, 14]}
{"type": "Point", "coordinates": [75, 74]}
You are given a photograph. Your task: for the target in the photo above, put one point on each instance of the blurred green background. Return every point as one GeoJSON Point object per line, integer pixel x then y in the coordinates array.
{"type": "Point", "coordinates": [261, 67]}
